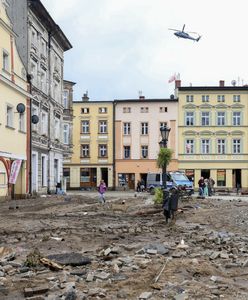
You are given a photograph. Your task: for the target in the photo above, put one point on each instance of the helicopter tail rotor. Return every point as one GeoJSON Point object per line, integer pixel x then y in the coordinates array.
{"type": "Point", "coordinates": [198, 38]}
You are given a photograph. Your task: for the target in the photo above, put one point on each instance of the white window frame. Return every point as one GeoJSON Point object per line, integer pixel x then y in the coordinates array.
{"type": "Point", "coordinates": [85, 150]}
{"type": "Point", "coordinates": [22, 122]}
{"type": "Point", "coordinates": [236, 146]}
{"type": "Point", "coordinates": [189, 146]}
{"type": "Point", "coordinates": [85, 110]}
{"type": "Point", "coordinates": [10, 116]}
{"type": "Point", "coordinates": [127, 128]}
{"type": "Point", "coordinates": [221, 98]}
{"type": "Point", "coordinates": [205, 118]}
{"type": "Point", "coordinates": [205, 146]}
{"type": "Point", "coordinates": [44, 170]}
{"type": "Point", "coordinates": [57, 128]}
{"type": "Point", "coordinates": [85, 127]}
{"type": "Point", "coordinates": [144, 128]}
{"type": "Point", "coordinates": [103, 110]}
{"type": "Point", "coordinates": [6, 60]}
{"type": "Point", "coordinates": [189, 118]}
{"type": "Point", "coordinates": [144, 151]}
{"type": "Point", "coordinates": [236, 118]}
{"type": "Point", "coordinates": [189, 98]}
{"type": "Point", "coordinates": [221, 146]}
{"type": "Point", "coordinates": [66, 134]}
{"type": "Point", "coordinates": [66, 98]}
{"type": "Point", "coordinates": [221, 118]}
{"type": "Point", "coordinates": [236, 98]}
{"type": "Point", "coordinates": [205, 98]}
{"type": "Point", "coordinates": [44, 123]}
{"type": "Point", "coordinates": [103, 150]}
{"type": "Point", "coordinates": [103, 126]}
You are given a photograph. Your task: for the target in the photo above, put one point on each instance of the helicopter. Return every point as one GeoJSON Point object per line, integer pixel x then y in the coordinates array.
{"type": "Point", "coordinates": [185, 35]}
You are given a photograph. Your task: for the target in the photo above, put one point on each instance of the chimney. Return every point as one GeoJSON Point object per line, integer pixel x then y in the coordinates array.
{"type": "Point", "coordinates": [221, 83]}
{"type": "Point", "coordinates": [177, 83]}
{"type": "Point", "coordinates": [85, 97]}
{"type": "Point", "coordinates": [141, 97]}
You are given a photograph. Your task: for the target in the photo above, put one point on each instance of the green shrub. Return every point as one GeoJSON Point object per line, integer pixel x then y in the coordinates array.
{"type": "Point", "coordinates": [158, 198]}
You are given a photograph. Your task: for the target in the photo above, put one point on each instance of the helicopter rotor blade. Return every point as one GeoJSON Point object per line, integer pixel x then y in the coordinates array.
{"type": "Point", "coordinates": [183, 27]}
{"type": "Point", "coordinates": [173, 29]}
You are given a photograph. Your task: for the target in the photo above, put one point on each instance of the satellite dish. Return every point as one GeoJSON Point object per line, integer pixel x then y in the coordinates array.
{"type": "Point", "coordinates": [35, 119]}
{"type": "Point", "coordinates": [172, 96]}
{"type": "Point", "coordinates": [20, 108]}
{"type": "Point", "coordinates": [233, 82]}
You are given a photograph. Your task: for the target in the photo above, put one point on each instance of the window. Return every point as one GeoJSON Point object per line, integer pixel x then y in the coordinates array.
{"type": "Point", "coordinates": [221, 98]}
{"type": "Point", "coordinates": [236, 146]}
{"type": "Point", "coordinates": [190, 118]}
{"type": "Point", "coordinates": [84, 175]}
{"type": "Point", "coordinates": [85, 150]}
{"type": "Point", "coordinates": [236, 98]}
{"type": "Point", "coordinates": [144, 151]}
{"type": "Point", "coordinates": [43, 47]}
{"type": "Point", "coordinates": [103, 127]}
{"type": "Point", "coordinates": [236, 116]}
{"type": "Point", "coordinates": [127, 128]}
{"type": "Point", "coordinates": [66, 99]}
{"type": "Point", "coordinates": [189, 98]}
{"type": "Point", "coordinates": [205, 98]}
{"type": "Point", "coordinates": [85, 110]}
{"type": "Point", "coordinates": [34, 36]}
{"type": "Point", "coordinates": [5, 60]}
{"type": "Point", "coordinates": [85, 127]}
{"type": "Point", "coordinates": [103, 110]}
{"type": "Point", "coordinates": [221, 177]}
{"type": "Point", "coordinates": [189, 147]}
{"type": "Point", "coordinates": [144, 109]}
{"type": "Point", "coordinates": [144, 128]}
{"type": "Point", "coordinates": [163, 109]}
{"type": "Point", "coordinates": [205, 146]}
{"type": "Point", "coordinates": [126, 109]}
{"type": "Point", "coordinates": [66, 133]}
{"type": "Point", "coordinates": [10, 116]}
{"type": "Point", "coordinates": [127, 151]}
{"type": "Point", "coordinates": [162, 124]}
{"type": "Point", "coordinates": [103, 151]}
{"type": "Point", "coordinates": [221, 118]}
{"type": "Point", "coordinates": [34, 72]}
{"type": "Point", "coordinates": [57, 128]}
{"type": "Point", "coordinates": [22, 122]}
{"type": "Point", "coordinates": [221, 146]}
{"type": "Point", "coordinates": [205, 118]}
{"type": "Point", "coordinates": [43, 81]}
{"type": "Point", "coordinates": [44, 170]}
{"type": "Point", "coordinates": [44, 121]}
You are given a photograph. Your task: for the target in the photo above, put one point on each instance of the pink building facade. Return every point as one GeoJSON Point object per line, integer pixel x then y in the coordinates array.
{"type": "Point", "coordinates": [137, 137]}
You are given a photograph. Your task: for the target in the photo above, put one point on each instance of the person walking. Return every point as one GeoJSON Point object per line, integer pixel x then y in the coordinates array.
{"type": "Point", "coordinates": [138, 189]}
{"type": "Point", "coordinates": [206, 185]}
{"type": "Point", "coordinates": [102, 190]}
{"type": "Point", "coordinates": [211, 186]}
{"type": "Point", "coordinates": [201, 185]}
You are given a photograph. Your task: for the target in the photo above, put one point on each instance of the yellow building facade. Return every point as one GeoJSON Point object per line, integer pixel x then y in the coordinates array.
{"type": "Point", "coordinates": [13, 124]}
{"type": "Point", "coordinates": [92, 158]}
{"type": "Point", "coordinates": [213, 134]}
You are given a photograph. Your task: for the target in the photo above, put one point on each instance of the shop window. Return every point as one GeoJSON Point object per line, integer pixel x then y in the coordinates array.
{"type": "Point", "coordinates": [190, 174]}
{"type": "Point", "coordinates": [221, 177]}
{"type": "Point", "coordinates": [84, 175]}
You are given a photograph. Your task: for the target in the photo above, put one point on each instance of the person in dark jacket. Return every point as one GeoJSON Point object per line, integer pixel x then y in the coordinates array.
{"type": "Point", "coordinates": [201, 185]}
{"type": "Point", "coordinates": [170, 204]}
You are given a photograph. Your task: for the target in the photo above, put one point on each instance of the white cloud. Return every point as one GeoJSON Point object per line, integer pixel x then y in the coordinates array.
{"type": "Point", "coordinates": [122, 46]}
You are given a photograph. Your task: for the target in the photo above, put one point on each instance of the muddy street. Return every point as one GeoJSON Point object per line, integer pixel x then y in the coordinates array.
{"type": "Point", "coordinates": [74, 248]}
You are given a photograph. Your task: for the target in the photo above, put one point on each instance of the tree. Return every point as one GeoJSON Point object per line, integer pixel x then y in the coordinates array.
{"type": "Point", "coordinates": [164, 158]}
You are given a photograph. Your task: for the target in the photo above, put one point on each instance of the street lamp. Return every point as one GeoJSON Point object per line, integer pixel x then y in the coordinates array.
{"type": "Point", "coordinates": [165, 131]}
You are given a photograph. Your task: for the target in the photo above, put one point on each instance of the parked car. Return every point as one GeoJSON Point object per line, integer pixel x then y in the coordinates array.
{"type": "Point", "coordinates": [173, 180]}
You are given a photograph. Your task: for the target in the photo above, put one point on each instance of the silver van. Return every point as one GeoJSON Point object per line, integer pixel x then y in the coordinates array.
{"type": "Point", "coordinates": [173, 180]}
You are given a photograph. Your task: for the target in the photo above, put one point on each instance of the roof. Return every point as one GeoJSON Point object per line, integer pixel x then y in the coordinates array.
{"type": "Point", "coordinates": [70, 82]}
{"type": "Point", "coordinates": [145, 100]}
{"type": "Point", "coordinates": [213, 88]}
{"type": "Point", "coordinates": [40, 11]}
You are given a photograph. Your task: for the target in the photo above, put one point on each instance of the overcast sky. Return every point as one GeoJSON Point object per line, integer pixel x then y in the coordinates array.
{"type": "Point", "coordinates": [121, 47]}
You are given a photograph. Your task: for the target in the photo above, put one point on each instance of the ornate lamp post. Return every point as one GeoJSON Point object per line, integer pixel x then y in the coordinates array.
{"type": "Point", "coordinates": [165, 131]}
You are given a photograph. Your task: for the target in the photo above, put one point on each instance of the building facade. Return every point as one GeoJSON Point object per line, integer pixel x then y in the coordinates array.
{"type": "Point", "coordinates": [14, 112]}
{"type": "Point", "coordinates": [213, 127]}
{"type": "Point", "coordinates": [137, 137]}
{"type": "Point", "coordinates": [92, 158]}
{"type": "Point", "coordinates": [42, 44]}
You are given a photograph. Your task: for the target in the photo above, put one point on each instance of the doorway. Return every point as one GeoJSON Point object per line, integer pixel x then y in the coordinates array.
{"type": "Point", "coordinates": [143, 178]}
{"type": "Point", "coordinates": [104, 173]}
{"type": "Point", "coordinates": [205, 173]}
{"type": "Point", "coordinates": [236, 173]}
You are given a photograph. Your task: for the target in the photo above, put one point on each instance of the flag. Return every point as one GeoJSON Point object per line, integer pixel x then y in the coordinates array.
{"type": "Point", "coordinates": [172, 78]}
{"type": "Point", "coordinates": [15, 168]}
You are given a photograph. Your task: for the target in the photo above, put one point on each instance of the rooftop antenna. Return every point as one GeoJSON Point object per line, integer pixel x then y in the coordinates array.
{"type": "Point", "coordinates": [140, 93]}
